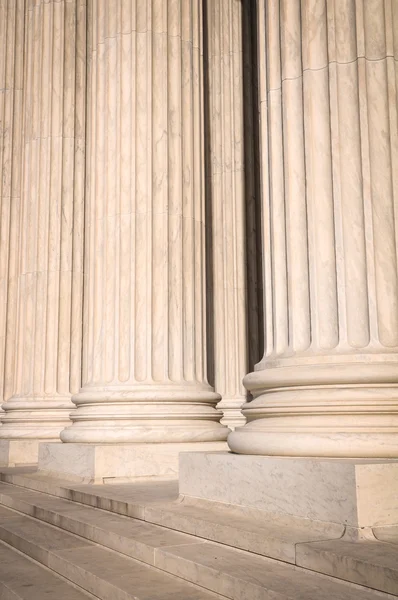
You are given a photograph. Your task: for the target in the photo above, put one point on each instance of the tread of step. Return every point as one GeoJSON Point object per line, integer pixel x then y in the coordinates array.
{"type": "Point", "coordinates": [23, 579]}
{"type": "Point", "coordinates": [97, 570]}
{"type": "Point", "coordinates": [189, 572]}
{"type": "Point", "coordinates": [276, 538]}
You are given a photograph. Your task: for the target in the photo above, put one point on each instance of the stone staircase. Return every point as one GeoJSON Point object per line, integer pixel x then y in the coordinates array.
{"type": "Point", "coordinates": [141, 541]}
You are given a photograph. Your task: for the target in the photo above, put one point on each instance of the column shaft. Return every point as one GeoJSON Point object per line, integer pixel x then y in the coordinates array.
{"type": "Point", "coordinates": [144, 370]}
{"type": "Point", "coordinates": [327, 384]}
{"type": "Point", "coordinates": [11, 83]}
{"type": "Point", "coordinates": [50, 269]}
{"type": "Point", "coordinates": [227, 197]}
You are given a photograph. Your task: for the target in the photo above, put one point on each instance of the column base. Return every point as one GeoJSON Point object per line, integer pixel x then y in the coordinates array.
{"type": "Point", "coordinates": [14, 453]}
{"type": "Point", "coordinates": [357, 493]}
{"type": "Point", "coordinates": [96, 463]}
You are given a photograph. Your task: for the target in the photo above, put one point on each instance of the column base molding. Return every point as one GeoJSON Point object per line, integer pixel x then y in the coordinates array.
{"type": "Point", "coordinates": [96, 463]}
{"type": "Point", "coordinates": [331, 408]}
{"type": "Point", "coordinates": [354, 493]}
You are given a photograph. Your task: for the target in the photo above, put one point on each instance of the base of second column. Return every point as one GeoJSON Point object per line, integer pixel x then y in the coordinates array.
{"type": "Point", "coordinates": [97, 463]}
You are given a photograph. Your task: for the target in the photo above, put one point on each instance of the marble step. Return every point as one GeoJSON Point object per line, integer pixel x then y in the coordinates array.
{"type": "Point", "coordinates": [158, 503]}
{"type": "Point", "coordinates": [132, 537]}
{"type": "Point", "coordinates": [371, 563]}
{"type": "Point", "coordinates": [99, 571]}
{"type": "Point", "coordinates": [194, 571]}
{"type": "Point", "coordinates": [314, 546]}
{"type": "Point", "coordinates": [24, 579]}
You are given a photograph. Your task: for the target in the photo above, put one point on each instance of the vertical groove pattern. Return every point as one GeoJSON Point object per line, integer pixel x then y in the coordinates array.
{"type": "Point", "coordinates": [11, 82]}
{"type": "Point", "coordinates": [330, 135]}
{"type": "Point", "coordinates": [145, 354]}
{"type": "Point", "coordinates": [227, 190]}
{"type": "Point", "coordinates": [50, 272]}
{"type": "Point", "coordinates": [327, 383]}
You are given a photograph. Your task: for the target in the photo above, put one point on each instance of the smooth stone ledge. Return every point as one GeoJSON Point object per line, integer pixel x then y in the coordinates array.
{"type": "Point", "coordinates": [93, 463]}
{"type": "Point", "coordinates": [353, 492]}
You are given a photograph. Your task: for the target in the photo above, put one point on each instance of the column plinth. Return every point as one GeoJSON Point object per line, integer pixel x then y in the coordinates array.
{"type": "Point", "coordinates": [328, 383]}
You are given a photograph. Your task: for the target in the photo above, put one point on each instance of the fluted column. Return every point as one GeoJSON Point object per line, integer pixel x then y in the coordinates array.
{"type": "Point", "coordinates": [50, 274]}
{"type": "Point", "coordinates": [11, 83]}
{"type": "Point", "coordinates": [328, 382]}
{"type": "Point", "coordinates": [144, 375]}
{"type": "Point", "coordinates": [227, 192]}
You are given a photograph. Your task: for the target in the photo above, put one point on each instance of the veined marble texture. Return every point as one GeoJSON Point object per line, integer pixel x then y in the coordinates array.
{"type": "Point", "coordinates": [47, 278]}
{"type": "Point", "coordinates": [327, 385]}
{"type": "Point", "coordinates": [11, 92]}
{"type": "Point", "coordinates": [144, 346]}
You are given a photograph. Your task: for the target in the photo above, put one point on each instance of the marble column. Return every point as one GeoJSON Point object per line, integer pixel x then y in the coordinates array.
{"type": "Point", "coordinates": [328, 382]}
{"type": "Point", "coordinates": [11, 82]}
{"type": "Point", "coordinates": [227, 198]}
{"type": "Point", "coordinates": [50, 267]}
{"type": "Point", "coordinates": [144, 350]}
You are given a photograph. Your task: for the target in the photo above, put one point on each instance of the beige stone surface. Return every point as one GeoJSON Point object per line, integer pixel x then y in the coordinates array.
{"type": "Point", "coordinates": [227, 194]}
{"type": "Point", "coordinates": [186, 561]}
{"type": "Point", "coordinates": [99, 571]}
{"type": "Point", "coordinates": [270, 535]}
{"type": "Point", "coordinates": [19, 452]}
{"type": "Point", "coordinates": [239, 576]}
{"type": "Point", "coordinates": [144, 346]}
{"type": "Point", "coordinates": [359, 493]}
{"type": "Point", "coordinates": [46, 354]}
{"type": "Point", "coordinates": [370, 563]}
{"type": "Point", "coordinates": [98, 463]}
{"type": "Point", "coordinates": [326, 385]}
{"type": "Point", "coordinates": [23, 579]}
{"type": "Point", "coordinates": [303, 542]}
{"type": "Point", "coordinates": [11, 124]}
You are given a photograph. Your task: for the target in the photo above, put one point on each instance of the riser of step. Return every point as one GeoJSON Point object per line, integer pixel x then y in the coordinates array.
{"type": "Point", "coordinates": [210, 567]}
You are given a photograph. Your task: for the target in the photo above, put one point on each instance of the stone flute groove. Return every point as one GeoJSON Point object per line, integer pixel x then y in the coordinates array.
{"type": "Point", "coordinates": [11, 82]}
{"type": "Point", "coordinates": [227, 191]}
{"type": "Point", "coordinates": [144, 367]}
{"type": "Point", "coordinates": [50, 268]}
{"type": "Point", "coordinates": [327, 383]}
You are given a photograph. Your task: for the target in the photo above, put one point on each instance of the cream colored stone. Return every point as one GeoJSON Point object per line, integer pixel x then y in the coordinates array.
{"type": "Point", "coordinates": [99, 571]}
{"type": "Point", "coordinates": [23, 579]}
{"type": "Point", "coordinates": [97, 463]}
{"type": "Point", "coordinates": [327, 383]}
{"type": "Point", "coordinates": [11, 121]}
{"type": "Point", "coordinates": [360, 493]}
{"type": "Point", "coordinates": [240, 576]}
{"type": "Point", "coordinates": [144, 350]}
{"type": "Point", "coordinates": [19, 452]}
{"type": "Point", "coordinates": [270, 535]}
{"type": "Point", "coordinates": [46, 355]}
{"type": "Point", "coordinates": [228, 205]}
{"type": "Point", "coordinates": [370, 563]}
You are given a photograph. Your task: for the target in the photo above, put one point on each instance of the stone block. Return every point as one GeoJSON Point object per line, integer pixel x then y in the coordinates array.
{"type": "Point", "coordinates": [97, 463]}
{"type": "Point", "coordinates": [354, 492]}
